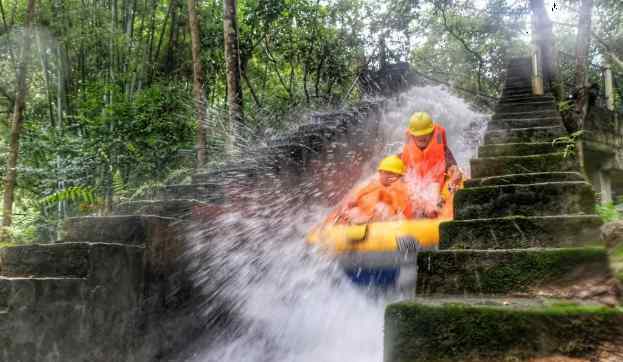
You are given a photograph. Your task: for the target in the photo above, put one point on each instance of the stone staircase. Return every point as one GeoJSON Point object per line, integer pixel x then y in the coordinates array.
{"type": "Point", "coordinates": [520, 274]}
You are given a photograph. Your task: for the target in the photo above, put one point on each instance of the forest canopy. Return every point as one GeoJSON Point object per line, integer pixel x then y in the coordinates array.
{"type": "Point", "coordinates": [110, 112]}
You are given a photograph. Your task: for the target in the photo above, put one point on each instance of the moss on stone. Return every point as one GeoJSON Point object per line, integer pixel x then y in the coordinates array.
{"type": "Point", "coordinates": [524, 135]}
{"type": "Point", "coordinates": [516, 149]}
{"type": "Point", "coordinates": [508, 165]}
{"type": "Point", "coordinates": [417, 331]}
{"type": "Point", "coordinates": [542, 199]}
{"type": "Point", "coordinates": [517, 232]}
{"type": "Point", "coordinates": [457, 272]}
{"type": "Point", "coordinates": [524, 179]}
{"type": "Point", "coordinates": [616, 261]}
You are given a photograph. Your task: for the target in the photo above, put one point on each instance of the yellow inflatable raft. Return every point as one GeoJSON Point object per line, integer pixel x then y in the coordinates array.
{"type": "Point", "coordinates": [390, 236]}
{"type": "Point", "coordinates": [382, 254]}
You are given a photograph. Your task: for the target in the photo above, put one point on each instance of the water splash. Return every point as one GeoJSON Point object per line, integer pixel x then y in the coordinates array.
{"type": "Point", "coordinates": [268, 297]}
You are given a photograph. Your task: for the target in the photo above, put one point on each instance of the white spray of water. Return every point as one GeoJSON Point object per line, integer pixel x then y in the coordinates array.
{"type": "Point", "coordinates": [282, 301]}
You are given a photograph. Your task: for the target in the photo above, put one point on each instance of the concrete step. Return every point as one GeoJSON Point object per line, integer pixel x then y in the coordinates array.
{"type": "Point", "coordinates": [207, 192]}
{"type": "Point", "coordinates": [43, 293]}
{"type": "Point", "coordinates": [179, 209]}
{"type": "Point", "coordinates": [524, 115]}
{"type": "Point", "coordinates": [543, 199]}
{"type": "Point", "coordinates": [524, 135]}
{"type": "Point", "coordinates": [517, 74]}
{"type": "Point", "coordinates": [526, 178]}
{"type": "Point", "coordinates": [530, 98]}
{"type": "Point", "coordinates": [509, 272]}
{"type": "Point", "coordinates": [516, 149]}
{"type": "Point", "coordinates": [436, 329]}
{"type": "Point", "coordinates": [126, 229]}
{"type": "Point", "coordinates": [70, 319]}
{"type": "Point", "coordinates": [519, 71]}
{"type": "Point", "coordinates": [516, 91]}
{"type": "Point", "coordinates": [525, 107]}
{"type": "Point", "coordinates": [236, 173]}
{"type": "Point", "coordinates": [517, 82]}
{"type": "Point", "coordinates": [520, 232]}
{"type": "Point", "coordinates": [510, 165]}
{"type": "Point", "coordinates": [524, 123]}
{"type": "Point", "coordinates": [69, 260]}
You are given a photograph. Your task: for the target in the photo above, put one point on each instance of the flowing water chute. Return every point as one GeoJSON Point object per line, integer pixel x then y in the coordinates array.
{"type": "Point", "coordinates": [266, 296]}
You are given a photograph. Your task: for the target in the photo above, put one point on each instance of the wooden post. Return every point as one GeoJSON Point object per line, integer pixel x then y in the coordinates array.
{"type": "Point", "coordinates": [535, 59]}
{"type": "Point", "coordinates": [537, 73]}
{"type": "Point", "coordinates": [609, 87]}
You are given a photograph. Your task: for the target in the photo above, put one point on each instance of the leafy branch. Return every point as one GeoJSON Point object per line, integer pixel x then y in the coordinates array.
{"type": "Point", "coordinates": [73, 194]}
{"type": "Point", "coordinates": [568, 143]}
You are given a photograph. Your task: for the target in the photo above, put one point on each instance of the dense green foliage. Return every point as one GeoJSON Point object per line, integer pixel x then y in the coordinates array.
{"type": "Point", "coordinates": [110, 107]}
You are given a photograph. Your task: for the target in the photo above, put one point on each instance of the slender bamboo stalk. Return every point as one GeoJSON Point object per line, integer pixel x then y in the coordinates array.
{"type": "Point", "coordinates": [232, 60]}
{"type": "Point", "coordinates": [198, 80]}
{"type": "Point", "coordinates": [17, 123]}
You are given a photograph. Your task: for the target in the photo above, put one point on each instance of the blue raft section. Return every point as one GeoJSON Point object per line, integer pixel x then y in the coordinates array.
{"type": "Point", "coordinates": [383, 278]}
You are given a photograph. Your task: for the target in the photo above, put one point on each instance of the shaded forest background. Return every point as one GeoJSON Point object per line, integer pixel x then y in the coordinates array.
{"type": "Point", "coordinates": [110, 113]}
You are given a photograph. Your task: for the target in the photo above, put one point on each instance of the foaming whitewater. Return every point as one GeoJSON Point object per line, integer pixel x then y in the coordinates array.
{"type": "Point", "coordinates": [266, 296]}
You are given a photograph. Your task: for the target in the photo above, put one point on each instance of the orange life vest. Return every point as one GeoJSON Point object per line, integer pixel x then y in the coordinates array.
{"type": "Point", "coordinates": [394, 199]}
{"type": "Point", "coordinates": [429, 162]}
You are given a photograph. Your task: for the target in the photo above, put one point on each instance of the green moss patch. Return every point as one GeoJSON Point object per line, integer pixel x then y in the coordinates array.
{"type": "Point", "coordinates": [520, 232]}
{"type": "Point", "coordinates": [458, 272]}
{"type": "Point", "coordinates": [542, 199]}
{"type": "Point", "coordinates": [509, 165]}
{"type": "Point", "coordinates": [516, 149]}
{"type": "Point", "coordinates": [616, 261]}
{"type": "Point", "coordinates": [491, 331]}
{"type": "Point", "coordinates": [533, 134]}
{"type": "Point", "coordinates": [523, 179]}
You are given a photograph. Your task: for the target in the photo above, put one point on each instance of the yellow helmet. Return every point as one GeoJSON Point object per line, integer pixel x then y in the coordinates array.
{"type": "Point", "coordinates": [392, 164]}
{"type": "Point", "coordinates": [421, 124]}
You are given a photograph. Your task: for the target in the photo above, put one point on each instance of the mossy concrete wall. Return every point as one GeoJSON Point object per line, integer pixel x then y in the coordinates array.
{"type": "Point", "coordinates": [505, 330]}
{"type": "Point", "coordinates": [107, 293]}
{"type": "Point", "coordinates": [87, 310]}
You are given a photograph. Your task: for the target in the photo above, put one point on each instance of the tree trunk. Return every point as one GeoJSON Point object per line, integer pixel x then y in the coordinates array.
{"type": "Point", "coordinates": [582, 49]}
{"type": "Point", "coordinates": [200, 100]}
{"type": "Point", "coordinates": [16, 122]}
{"type": "Point", "coordinates": [170, 60]}
{"type": "Point", "coordinates": [232, 60]}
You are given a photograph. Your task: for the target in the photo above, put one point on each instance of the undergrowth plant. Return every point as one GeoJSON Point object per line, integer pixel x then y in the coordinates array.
{"type": "Point", "coordinates": [608, 212]}
{"type": "Point", "coordinates": [568, 143]}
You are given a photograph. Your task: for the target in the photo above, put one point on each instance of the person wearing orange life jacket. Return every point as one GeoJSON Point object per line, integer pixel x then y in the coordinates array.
{"type": "Point", "coordinates": [430, 164]}
{"type": "Point", "coordinates": [382, 199]}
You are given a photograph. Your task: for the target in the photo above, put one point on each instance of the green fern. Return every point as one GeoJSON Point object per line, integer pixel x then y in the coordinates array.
{"type": "Point", "coordinates": [147, 189]}
{"type": "Point", "coordinates": [568, 143]}
{"type": "Point", "coordinates": [565, 106]}
{"type": "Point", "coordinates": [118, 185]}
{"type": "Point", "coordinates": [608, 212]}
{"type": "Point", "coordinates": [74, 194]}
{"type": "Point", "coordinates": [178, 176]}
